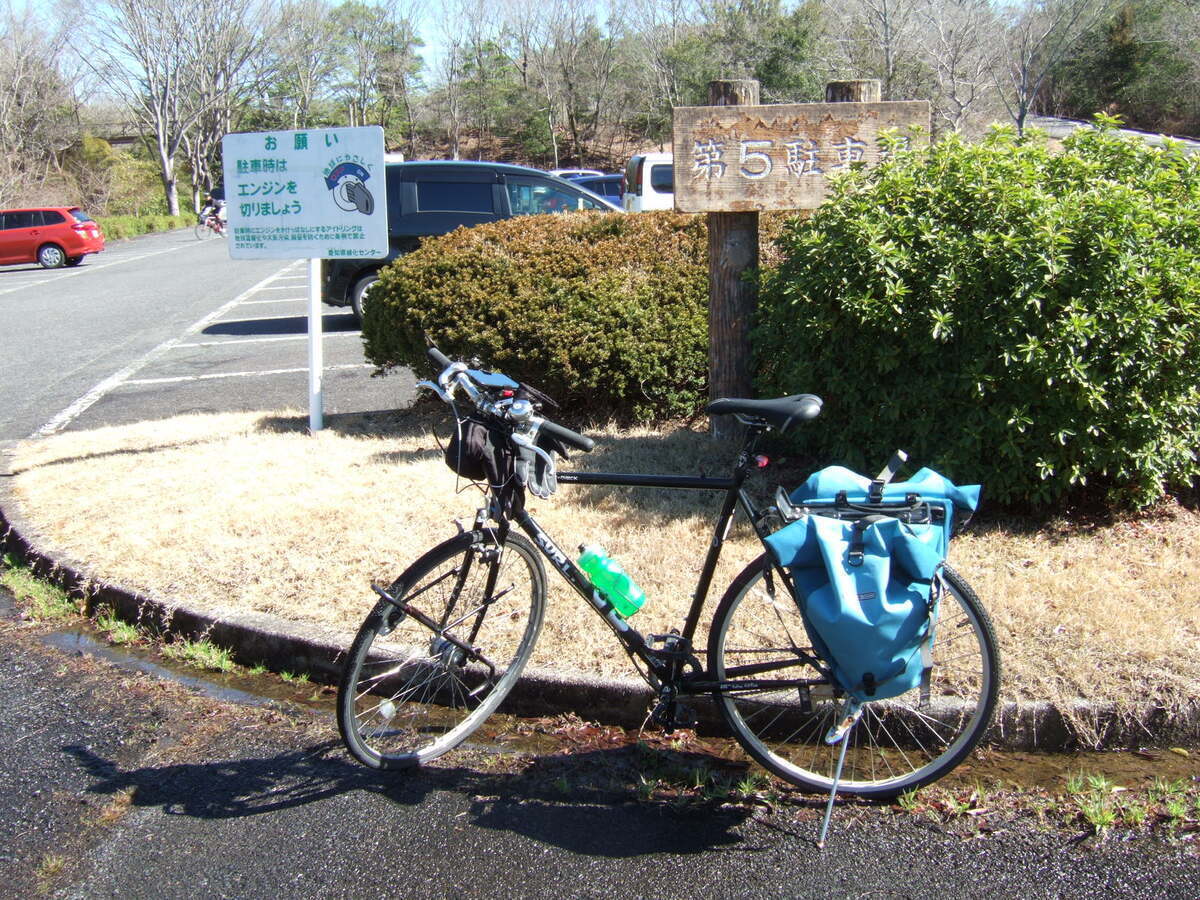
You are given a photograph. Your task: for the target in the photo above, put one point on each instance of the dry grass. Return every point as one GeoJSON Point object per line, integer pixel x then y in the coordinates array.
{"type": "Point", "coordinates": [242, 512]}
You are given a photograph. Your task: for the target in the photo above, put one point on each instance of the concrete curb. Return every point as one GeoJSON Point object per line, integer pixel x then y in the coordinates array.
{"type": "Point", "coordinates": [282, 645]}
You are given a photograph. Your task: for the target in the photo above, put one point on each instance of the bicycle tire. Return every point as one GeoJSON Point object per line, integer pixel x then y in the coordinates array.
{"type": "Point", "coordinates": [202, 231]}
{"type": "Point", "coordinates": [407, 695]}
{"type": "Point", "coordinates": [898, 744]}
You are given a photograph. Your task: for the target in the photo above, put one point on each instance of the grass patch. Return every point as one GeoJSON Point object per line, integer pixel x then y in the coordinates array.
{"type": "Point", "coordinates": [118, 631]}
{"type": "Point", "coordinates": [202, 654]}
{"type": "Point", "coordinates": [299, 525]}
{"type": "Point", "coordinates": [114, 810]}
{"type": "Point", "coordinates": [1092, 803]}
{"type": "Point", "coordinates": [50, 865]}
{"type": "Point", "coordinates": [43, 602]}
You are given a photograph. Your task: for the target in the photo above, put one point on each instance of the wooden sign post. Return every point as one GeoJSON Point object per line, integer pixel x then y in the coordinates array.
{"type": "Point", "coordinates": [735, 158]}
{"type": "Point", "coordinates": [732, 297]}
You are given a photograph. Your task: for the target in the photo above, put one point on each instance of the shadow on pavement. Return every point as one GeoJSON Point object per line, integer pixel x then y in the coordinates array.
{"type": "Point", "coordinates": [330, 322]}
{"type": "Point", "coordinates": [558, 800]}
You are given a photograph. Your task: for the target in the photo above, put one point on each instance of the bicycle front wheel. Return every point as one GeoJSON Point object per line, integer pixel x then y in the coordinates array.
{"type": "Point", "coordinates": [412, 691]}
{"type": "Point", "coordinates": [779, 706]}
{"type": "Point", "coordinates": [202, 231]}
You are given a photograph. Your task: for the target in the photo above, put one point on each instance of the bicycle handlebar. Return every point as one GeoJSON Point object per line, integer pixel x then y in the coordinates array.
{"type": "Point", "coordinates": [438, 358]}
{"type": "Point", "coordinates": [456, 374]}
{"type": "Point", "coordinates": [567, 436]}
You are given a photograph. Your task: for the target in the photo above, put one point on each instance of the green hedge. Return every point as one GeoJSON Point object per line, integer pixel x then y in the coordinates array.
{"type": "Point", "coordinates": [1015, 315]}
{"type": "Point", "coordinates": [117, 227]}
{"type": "Point", "coordinates": [607, 313]}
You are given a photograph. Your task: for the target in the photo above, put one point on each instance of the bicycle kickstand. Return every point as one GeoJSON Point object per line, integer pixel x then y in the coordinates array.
{"type": "Point", "coordinates": [839, 733]}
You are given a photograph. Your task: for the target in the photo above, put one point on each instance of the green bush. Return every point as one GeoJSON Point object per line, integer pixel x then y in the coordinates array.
{"type": "Point", "coordinates": [117, 227]}
{"type": "Point", "coordinates": [1020, 316]}
{"type": "Point", "coordinates": [606, 313]}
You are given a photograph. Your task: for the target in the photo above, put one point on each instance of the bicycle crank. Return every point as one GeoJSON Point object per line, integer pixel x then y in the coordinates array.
{"type": "Point", "coordinates": [670, 714]}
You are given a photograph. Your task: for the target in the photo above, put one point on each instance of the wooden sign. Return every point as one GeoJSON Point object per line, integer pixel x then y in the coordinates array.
{"type": "Point", "coordinates": [749, 158]}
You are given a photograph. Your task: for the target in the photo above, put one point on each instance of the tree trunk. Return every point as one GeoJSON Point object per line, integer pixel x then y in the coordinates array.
{"type": "Point", "coordinates": [732, 295]}
{"type": "Point", "coordinates": [166, 165]}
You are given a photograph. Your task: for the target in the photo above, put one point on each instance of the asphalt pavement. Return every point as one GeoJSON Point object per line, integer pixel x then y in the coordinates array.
{"type": "Point", "coordinates": [115, 783]}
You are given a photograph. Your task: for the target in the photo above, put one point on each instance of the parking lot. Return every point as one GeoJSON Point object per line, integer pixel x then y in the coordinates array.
{"type": "Point", "coordinates": [167, 325]}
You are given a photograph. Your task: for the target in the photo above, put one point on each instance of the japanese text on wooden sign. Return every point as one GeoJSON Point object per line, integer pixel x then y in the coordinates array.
{"type": "Point", "coordinates": [747, 158]}
{"type": "Point", "coordinates": [316, 193]}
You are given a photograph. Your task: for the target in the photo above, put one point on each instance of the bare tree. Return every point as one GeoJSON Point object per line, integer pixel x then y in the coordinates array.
{"type": "Point", "coordinates": [451, 70]}
{"type": "Point", "coordinates": [527, 23]}
{"type": "Point", "coordinates": [398, 79]}
{"type": "Point", "coordinates": [37, 104]}
{"type": "Point", "coordinates": [370, 35]}
{"type": "Point", "coordinates": [957, 40]}
{"type": "Point", "coordinates": [479, 34]}
{"type": "Point", "coordinates": [153, 54]}
{"type": "Point", "coordinates": [233, 33]}
{"type": "Point", "coordinates": [572, 61]}
{"type": "Point", "coordinates": [877, 39]}
{"type": "Point", "coordinates": [660, 27]}
{"type": "Point", "coordinates": [304, 56]}
{"type": "Point", "coordinates": [1038, 35]}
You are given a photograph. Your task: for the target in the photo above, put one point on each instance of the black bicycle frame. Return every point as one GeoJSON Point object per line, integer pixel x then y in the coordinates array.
{"type": "Point", "coordinates": [735, 495]}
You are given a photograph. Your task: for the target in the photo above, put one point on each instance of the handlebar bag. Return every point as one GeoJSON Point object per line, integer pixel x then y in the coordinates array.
{"type": "Point", "coordinates": [480, 452]}
{"type": "Point", "coordinates": [866, 588]}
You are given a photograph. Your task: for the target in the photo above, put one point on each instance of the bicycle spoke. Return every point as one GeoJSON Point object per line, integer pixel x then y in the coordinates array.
{"type": "Point", "coordinates": [431, 686]}
{"type": "Point", "coordinates": [895, 744]}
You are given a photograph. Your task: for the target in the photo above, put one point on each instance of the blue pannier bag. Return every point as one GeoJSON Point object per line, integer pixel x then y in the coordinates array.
{"type": "Point", "coordinates": [864, 557]}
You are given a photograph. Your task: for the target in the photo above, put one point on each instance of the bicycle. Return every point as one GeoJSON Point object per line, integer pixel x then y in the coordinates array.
{"type": "Point", "coordinates": [210, 225]}
{"type": "Point", "coordinates": [449, 638]}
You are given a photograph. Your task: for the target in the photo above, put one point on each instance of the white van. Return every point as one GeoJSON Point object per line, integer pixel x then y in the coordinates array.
{"type": "Point", "coordinates": [649, 183]}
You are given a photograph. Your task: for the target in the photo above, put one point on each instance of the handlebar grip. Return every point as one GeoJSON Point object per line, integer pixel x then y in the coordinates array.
{"type": "Point", "coordinates": [567, 436]}
{"type": "Point", "coordinates": [438, 358]}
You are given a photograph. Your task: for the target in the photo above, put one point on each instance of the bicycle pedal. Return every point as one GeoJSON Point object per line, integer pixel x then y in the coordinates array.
{"type": "Point", "coordinates": [685, 716]}
{"type": "Point", "coordinates": [671, 715]}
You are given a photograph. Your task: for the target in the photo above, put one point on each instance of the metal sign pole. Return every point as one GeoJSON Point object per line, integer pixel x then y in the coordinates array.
{"type": "Point", "coordinates": [315, 360]}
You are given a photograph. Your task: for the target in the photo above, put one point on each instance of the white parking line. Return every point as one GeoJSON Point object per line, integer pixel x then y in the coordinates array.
{"type": "Point", "coordinates": [280, 300]}
{"type": "Point", "coordinates": [266, 340]}
{"type": "Point", "coordinates": [183, 378]}
{"type": "Point", "coordinates": [91, 267]}
{"type": "Point", "coordinates": [76, 409]}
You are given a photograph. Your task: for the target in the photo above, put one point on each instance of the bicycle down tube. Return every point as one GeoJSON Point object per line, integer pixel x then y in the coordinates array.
{"type": "Point", "coordinates": [627, 634]}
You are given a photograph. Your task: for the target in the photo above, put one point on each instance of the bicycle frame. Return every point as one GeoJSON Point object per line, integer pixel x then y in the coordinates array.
{"type": "Point", "coordinates": [666, 665]}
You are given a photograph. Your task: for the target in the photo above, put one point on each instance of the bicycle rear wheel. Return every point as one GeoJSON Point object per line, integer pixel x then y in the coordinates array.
{"type": "Point", "coordinates": [411, 691]}
{"type": "Point", "coordinates": [780, 707]}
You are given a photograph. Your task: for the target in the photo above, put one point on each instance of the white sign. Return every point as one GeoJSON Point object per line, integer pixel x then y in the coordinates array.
{"type": "Point", "coordinates": [320, 193]}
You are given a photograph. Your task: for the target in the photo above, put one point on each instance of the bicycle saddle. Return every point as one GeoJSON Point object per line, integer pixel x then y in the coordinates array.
{"type": "Point", "coordinates": [780, 413]}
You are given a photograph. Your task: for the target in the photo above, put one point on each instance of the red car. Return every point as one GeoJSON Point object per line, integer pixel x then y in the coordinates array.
{"type": "Point", "coordinates": [52, 235]}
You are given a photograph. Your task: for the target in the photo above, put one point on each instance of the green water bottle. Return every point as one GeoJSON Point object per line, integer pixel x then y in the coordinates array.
{"type": "Point", "coordinates": [611, 580]}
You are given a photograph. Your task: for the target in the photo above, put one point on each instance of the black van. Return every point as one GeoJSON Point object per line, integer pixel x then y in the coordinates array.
{"type": "Point", "coordinates": [431, 198]}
